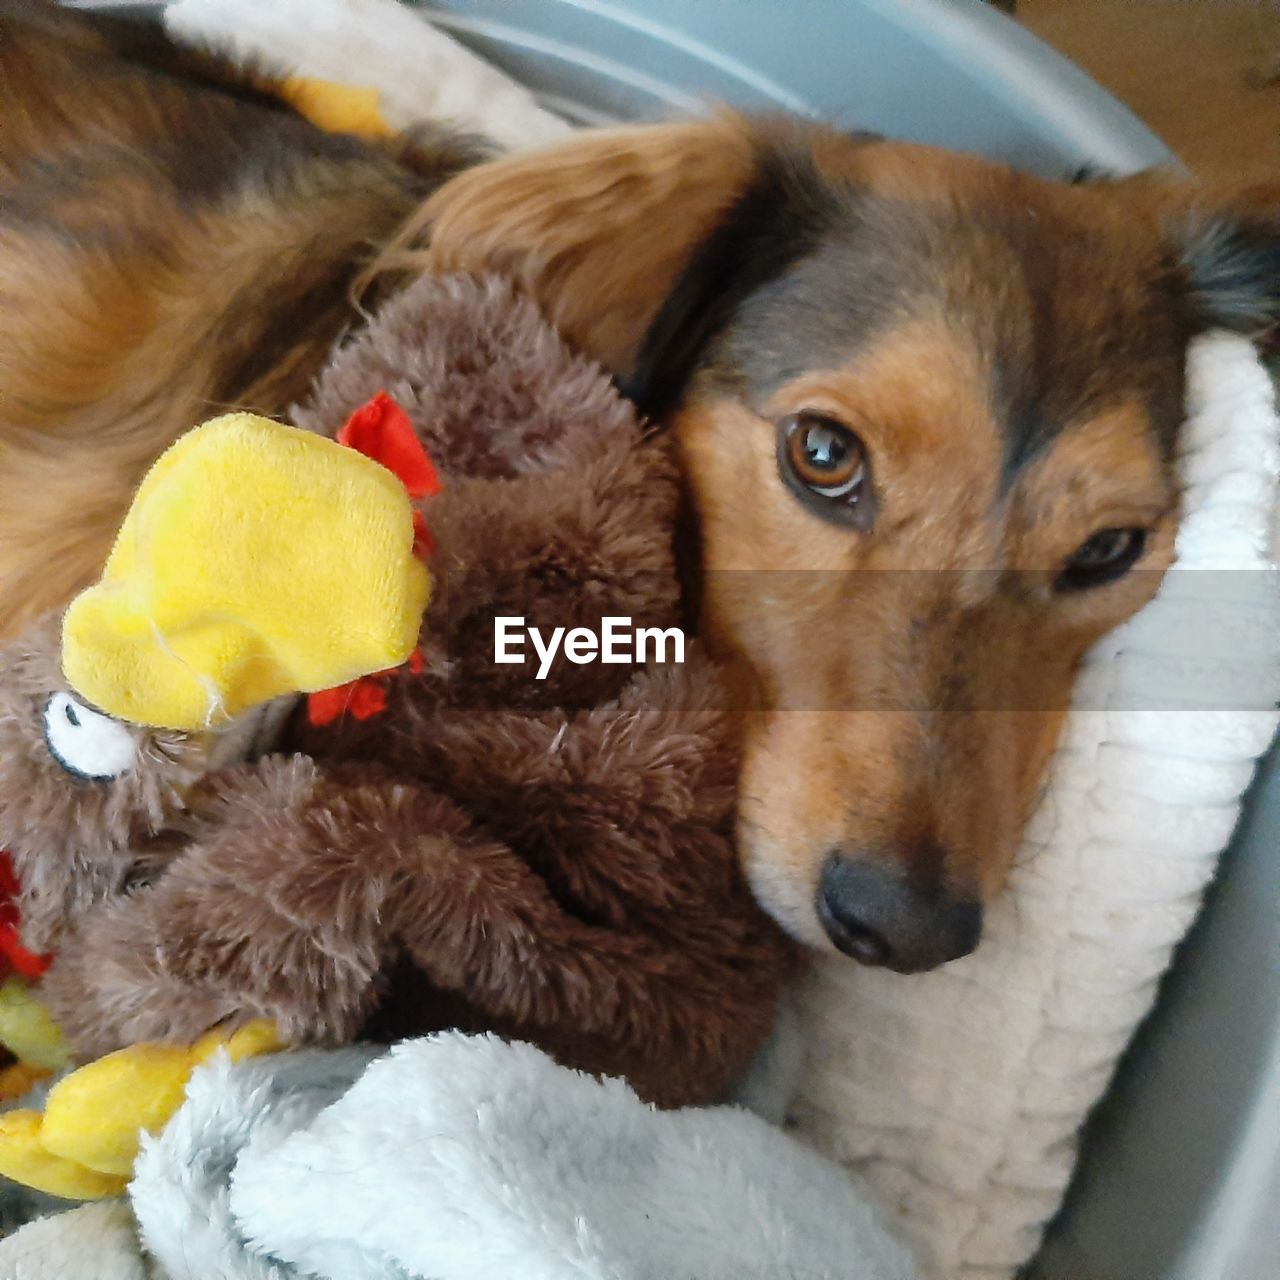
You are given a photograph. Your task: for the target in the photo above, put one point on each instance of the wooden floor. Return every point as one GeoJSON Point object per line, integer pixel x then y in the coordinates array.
{"type": "Point", "coordinates": [1204, 74]}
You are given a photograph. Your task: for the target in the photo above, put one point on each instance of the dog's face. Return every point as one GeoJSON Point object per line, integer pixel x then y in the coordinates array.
{"type": "Point", "coordinates": [932, 460]}
{"type": "Point", "coordinates": [928, 409]}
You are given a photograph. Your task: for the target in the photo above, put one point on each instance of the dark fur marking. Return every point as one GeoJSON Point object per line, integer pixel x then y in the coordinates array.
{"type": "Point", "coordinates": [1234, 274]}
{"type": "Point", "coordinates": [775, 222]}
{"type": "Point", "coordinates": [825, 267]}
{"type": "Point", "coordinates": [129, 40]}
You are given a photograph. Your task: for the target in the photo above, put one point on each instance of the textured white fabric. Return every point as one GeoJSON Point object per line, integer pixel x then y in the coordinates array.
{"type": "Point", "coordinates": [421, 74]}
{"type": "Point", "coordinates": [181, 1189]}
{"type": "Point", "coordinates": [466, 1158]}
{"type": "Point", "coordinates": [958, 1095]}
{"type": "Point", "coordinates": [95, 1242]}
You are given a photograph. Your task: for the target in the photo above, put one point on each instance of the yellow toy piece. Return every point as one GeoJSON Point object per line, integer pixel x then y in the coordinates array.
{"type": "Point", "coordinates": [27, 1031]}
{"type": "Point", "coordinates": [84, 1145]}
{"type": "Point", "coordinates": [337, 108]}
{"type": "Point", "coordinates": [24, 1159]}
{"type": "Point", "coordinates": [312, 581]}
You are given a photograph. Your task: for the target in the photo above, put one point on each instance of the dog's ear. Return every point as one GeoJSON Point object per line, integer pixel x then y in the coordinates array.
{"type": "Point", "coordinates": [1224, 245]}
{"type": "Point", "coordinates": [597, 229]}
{"type": "Point", "coordinates": [1229, 247]}
{"type": "Point", "coordinates": [775, 220]}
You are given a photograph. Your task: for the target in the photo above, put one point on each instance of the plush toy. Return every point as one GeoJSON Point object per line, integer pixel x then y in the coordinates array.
{"type": "Point", "coordinates": [27, 1033]}
{"type": "Point", "coordinates": [84, 1144]}
{"type": "Point", "coordinates": [201, 615]}
{"type": "Point", "coordinates": [337, 108]}
{"type": "Point", "coordinates": [454, 842]}
{"type": "Point", "coordinates": [203, 642]}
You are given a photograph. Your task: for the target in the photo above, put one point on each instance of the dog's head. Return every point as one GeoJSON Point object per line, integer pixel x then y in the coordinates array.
{"type": "Point", "coordinates": [928, 409]}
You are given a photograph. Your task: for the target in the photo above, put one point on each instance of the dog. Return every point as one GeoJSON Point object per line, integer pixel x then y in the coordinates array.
{"type": "Point", "coordinates": [926, 405]}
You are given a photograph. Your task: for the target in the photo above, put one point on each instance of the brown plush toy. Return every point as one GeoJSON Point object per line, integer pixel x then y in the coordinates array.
{"type": "Point", "coordinates": [549, 858]}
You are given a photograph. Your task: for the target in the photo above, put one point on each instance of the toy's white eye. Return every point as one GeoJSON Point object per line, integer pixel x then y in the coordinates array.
{"type": "Point", "coordinates": [85, 742]}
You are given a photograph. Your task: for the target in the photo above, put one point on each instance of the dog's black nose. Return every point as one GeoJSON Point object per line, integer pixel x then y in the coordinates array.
{"type": "Point", "coordinates": [875, 912]}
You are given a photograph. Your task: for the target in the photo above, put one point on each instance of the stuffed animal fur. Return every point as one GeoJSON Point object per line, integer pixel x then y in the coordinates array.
{"type": "Point", "coordinates": [550, 859]}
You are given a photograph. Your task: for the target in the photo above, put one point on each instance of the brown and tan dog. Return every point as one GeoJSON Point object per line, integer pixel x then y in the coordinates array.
{"type": "Point", "coordinates": [927, 406]}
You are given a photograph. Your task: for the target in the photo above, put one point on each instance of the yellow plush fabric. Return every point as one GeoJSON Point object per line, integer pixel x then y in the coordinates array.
{"type": "Point", "coordinates": [256, 560]}
{"type": "Point", "coordinates": [25, 1159]}
{"type": "Point", "coordinates": [84, 1145]}
{"type": "Point", "coordinates": [26, 1029]}
{"type": "Point", "coordinates": [337, 108]}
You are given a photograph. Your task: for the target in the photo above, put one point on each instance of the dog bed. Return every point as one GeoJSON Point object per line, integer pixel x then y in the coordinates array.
{"type": "Point", "coordinates": [956, 1097]}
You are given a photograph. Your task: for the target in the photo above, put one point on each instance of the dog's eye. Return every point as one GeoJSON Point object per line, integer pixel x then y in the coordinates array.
{"type": "Point", "coordinates": [821, 458]}
{"type": "Point", "coordinates": [1108, 555]}
{"type": "Point", "coordinates": [825, 455]}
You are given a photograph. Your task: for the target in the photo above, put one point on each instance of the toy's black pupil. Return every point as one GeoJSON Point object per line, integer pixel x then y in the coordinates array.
{"type": "Point", "coordinates": [70, 713]}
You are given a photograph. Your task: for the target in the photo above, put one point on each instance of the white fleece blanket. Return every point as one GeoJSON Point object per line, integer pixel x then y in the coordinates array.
{"type": "Point", "coordinates": [957, 1095]}
{"type": "Point", "coordinates": [459, 1158]}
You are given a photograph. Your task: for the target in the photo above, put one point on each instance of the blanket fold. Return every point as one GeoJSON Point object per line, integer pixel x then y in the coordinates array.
{"type": "Point", "coordinates": [466, 1157]}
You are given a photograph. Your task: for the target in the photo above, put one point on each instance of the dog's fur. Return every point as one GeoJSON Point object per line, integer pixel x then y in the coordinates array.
{"type": "Point", "coordinates": [1009, 350]}
{"type": "Point", "coordinates": [173, 242]}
